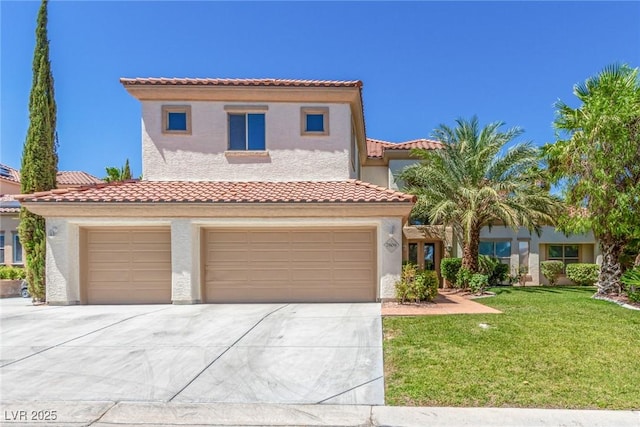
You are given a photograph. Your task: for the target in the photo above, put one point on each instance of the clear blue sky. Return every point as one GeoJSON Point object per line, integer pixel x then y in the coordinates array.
{"type": "Point", "coordinates": [422, 63]}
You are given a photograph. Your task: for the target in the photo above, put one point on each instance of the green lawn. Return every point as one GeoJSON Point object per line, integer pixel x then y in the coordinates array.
{"type": "Point", "coordinates": [551, 348]}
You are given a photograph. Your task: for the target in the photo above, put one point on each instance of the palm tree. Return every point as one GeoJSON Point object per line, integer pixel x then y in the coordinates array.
{"type": "Point", "coordinates": [114, 174]}
{"type": "Point", "coordinates": [474, 181]}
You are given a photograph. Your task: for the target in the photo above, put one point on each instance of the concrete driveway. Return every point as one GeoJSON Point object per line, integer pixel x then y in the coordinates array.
{"type": "Point", "coordinates": [267, 353]}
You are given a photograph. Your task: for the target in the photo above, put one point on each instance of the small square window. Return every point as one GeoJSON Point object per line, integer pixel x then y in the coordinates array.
{"type": "Point", "coordinates": [176, 119]}
{"type": "Point", "coordinates": [314, 121]}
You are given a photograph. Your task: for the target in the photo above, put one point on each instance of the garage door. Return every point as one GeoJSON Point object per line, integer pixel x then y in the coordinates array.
{"type": "Point", "coordinates": [290, 265]}
{"type": "Point", "coordinates": [127, 266]}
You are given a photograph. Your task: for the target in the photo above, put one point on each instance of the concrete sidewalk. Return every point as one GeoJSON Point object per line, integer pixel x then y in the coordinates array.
{"type": "Point", "coordinates": [243, 414]}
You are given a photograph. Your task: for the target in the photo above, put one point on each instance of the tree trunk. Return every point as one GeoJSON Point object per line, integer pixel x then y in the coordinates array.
{"type": "Point", "coordinates": [610, 270]}
{"type": "Point", "coordinates": [470, 250]}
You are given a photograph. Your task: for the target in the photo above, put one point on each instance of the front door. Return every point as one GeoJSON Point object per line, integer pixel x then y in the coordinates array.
{"type": "Point", "coordinates": [429, 256]}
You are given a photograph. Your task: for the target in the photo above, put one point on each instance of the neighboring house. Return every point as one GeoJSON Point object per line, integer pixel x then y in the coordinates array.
{"type": "Point", "coordinates": [11, 251]}
{"type": "Point", "coordinates": [252, 192]}
{"type": "Point", "coordinates": [426, 245]}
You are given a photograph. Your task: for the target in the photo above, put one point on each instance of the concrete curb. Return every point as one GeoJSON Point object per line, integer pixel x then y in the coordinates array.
{"type": "Point", "coordinates": [102, 414]}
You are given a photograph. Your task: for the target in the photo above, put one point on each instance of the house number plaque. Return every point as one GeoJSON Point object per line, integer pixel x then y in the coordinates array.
{"type": "Point", "coordinates": [391, 244]}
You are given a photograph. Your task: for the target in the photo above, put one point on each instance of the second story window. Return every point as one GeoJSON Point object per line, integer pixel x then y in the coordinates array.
{"type": "Point", "coordinates": [246, 132]}
{"type": "Point", "coordinates": [176, 119]}
{"type": "Point", "coordinates": [314, 121]}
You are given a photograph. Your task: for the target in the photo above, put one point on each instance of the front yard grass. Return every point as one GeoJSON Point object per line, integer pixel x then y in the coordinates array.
{"type": "Point", "coordinates": [551, 348]}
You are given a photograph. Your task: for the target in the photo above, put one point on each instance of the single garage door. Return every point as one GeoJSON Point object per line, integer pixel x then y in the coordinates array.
{"type": "Point", "coordinates": [290, 265]}
{"type": "Point", "coordinates": [127, 265]}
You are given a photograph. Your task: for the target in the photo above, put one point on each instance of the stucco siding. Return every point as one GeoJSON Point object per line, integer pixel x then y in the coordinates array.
{"type": "Point", "coordinates": [377, 175]}
{"type": "Point", "coordinates": [64, 255]}
{"type": "Point", "coordinates": [395, 167]}
{"type": "Point", "coordinates": [9, 225]}
{"type": "Point", "coordinates": [201, 155]}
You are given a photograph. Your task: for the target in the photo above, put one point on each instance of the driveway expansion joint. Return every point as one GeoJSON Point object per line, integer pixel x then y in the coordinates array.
{"type": "Point", "coordinates": [225, 351]}
{"type": "Point", "coordinates": [80, 336]}
{"type": "Point", "coordinates": [350, 389]}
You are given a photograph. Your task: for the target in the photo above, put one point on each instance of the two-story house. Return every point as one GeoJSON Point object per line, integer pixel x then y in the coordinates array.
{"type": "Point", "coordinates": [11, 251]}
{"type": "Point", "coordinates": [425, 245]}
{"type": "Point", "coordinates": [251, 193]}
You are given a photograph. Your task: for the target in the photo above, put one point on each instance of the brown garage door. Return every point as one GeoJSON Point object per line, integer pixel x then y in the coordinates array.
{"type": "Point", "coordinates": [127, 265]}
{"type": "Point", "coordinates": [290, 265]}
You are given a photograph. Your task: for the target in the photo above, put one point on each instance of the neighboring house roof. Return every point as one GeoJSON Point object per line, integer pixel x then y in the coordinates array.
{"type": "Point", "coordinates": [351, 191]}
{"type": "Point", "coordinates": [239, 82]}
{"type": "Point", "coordinates": [9, 173]}
{"type": "Point", "coordinates": [376, 147]}
{"type": "Point", "coordinates": [77, 178]}
{"type": "Point", "coordinates": [62, 178]}
{"type": "Point", "coordinates": [8, 204]}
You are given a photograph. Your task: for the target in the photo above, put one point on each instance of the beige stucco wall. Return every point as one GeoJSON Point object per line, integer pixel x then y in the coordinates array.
{"type": "Point", "coordinates": [537, 246]}
{"type": "Point", "coordinates": [395, 167]}
{"type": "Point", "coordinates": [377, 175]}
{"type": "Point", "coordinates": [9, 225]}
{"type": "Point", "coordinates": [201, 155]}
{"type": "Point", "coordinates": [63, 250]}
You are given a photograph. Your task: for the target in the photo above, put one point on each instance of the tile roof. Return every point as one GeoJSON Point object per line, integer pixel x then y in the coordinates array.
{"type": "Point", "coordinates": [377, 147]}
{"type": "Point", "coordinates": [351, 191]}
{"type": "Point", "coordinates": [62, 178]}
{"type": "Point", "coordinates": [159, 81]}
{"type": "Point", "coordinates": [76, 178]}
{"type": "Point", "coordinates": [9, 173]}
{"type": "Point", "coordinates": [8, 204]}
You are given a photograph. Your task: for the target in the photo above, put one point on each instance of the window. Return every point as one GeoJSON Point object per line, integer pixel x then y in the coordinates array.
{"type": "Point", "coordinates": [500, 249]}
{"type": "Point", "coordinates": [246, 132]}
{"type": "Point", "coordinates": [176, 119]}
{"type": "Point", "coordinates": [17, 249]}
{"type": "Point", "coordinates": [429, 256]}
{"type": "Point", "coordinates": [568, 254]}
{"type": "Point", "coordinates": [413, 253]}
{"type": "Point", "coordinates": [2, 247]}
{"type": "Point", "coordinates": [314, 121]}
{"type": "Point", "coordinates": [523, 253]}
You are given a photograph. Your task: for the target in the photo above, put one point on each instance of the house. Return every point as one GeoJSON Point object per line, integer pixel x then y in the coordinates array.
{"type": "Point", "coordinates": [252, 192]}
{"type": "Point", "coordinates": [11, 252]}
{"type": "Point", "coordinates": [425, 245]}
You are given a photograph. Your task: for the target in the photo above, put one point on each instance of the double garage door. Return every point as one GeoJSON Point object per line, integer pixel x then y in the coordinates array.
{"type": "Point", "coordinates": [238, 265]}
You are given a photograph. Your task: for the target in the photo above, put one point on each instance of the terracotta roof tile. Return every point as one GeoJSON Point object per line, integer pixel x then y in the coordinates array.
{"type": "Point", "coordinates": [377, 147]}
{"type": "Point", "coordinates": [174, 81]}
{"type": "Point", "coordinates": [8, 204]}
{"type": "Point", "coordinates": [350, 191]}
{"type": "Point", "coordinates": [76, 178]}
{"type": "Point", "coordinates": [63, 177]}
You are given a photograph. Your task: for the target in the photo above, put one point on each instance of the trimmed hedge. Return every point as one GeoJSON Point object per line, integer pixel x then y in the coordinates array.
{"type": "Point", "coordinates": [8, 272]}
{"type": "Point", "coordinates": [416, 285]}
{"type": "Point", "coordinates": [449, 268]}
{"type": "Point", "coordinates": [583, 274]}
{"type": "Point", "coordinates": [551, 270]}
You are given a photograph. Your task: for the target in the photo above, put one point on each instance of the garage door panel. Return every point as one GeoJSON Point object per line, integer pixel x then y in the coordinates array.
{"type": "Point", "coordinates": [127, 266]}
{"type": "Point", "coordinates": [296, 265]}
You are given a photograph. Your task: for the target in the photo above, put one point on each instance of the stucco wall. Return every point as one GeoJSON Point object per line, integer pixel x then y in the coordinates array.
{"type": "Point", "coordinates": [395, 167]}
{"type": "Point", "coordinates": [549, 235]}
{"type": "Point", "coordinates": [9, 225]}
{"type": "Point", "coordinates": [377, 175]}
{"type": "Point", "coordinates": [63, 250]}
{"type": "Point", "coordinates": [201, 155]}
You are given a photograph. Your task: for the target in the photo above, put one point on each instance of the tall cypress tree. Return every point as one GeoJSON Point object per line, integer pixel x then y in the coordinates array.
{"type": "Point", "coordinates": [39, 157]}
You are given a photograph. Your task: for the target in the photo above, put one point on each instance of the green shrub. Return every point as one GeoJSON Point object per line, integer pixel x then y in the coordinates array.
{"type": "Point", "coordinates": [496, 271]}
{"type": "Point", "coordinates": [463, 278]}
{"type": "Point", "coordinates": [631, 280]}
{"type": "Point", "coordinates": [415, 285]}
{"type": "Point", "coordinates": [478, 283]}
{"type": "Point", "coordinates": [449, 269]}
{"type": "Point", "coordinates": [551, 270]}
{"type": "Point", "coordinates": [12, 273]}
{"type": "Point", "coordinates": [583, 274]}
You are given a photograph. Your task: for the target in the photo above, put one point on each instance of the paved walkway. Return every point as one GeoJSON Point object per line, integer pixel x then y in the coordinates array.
{"type": "Point", "coordinates": [447, 302]}
{"type": "Point", "coordinates": [102, 414]}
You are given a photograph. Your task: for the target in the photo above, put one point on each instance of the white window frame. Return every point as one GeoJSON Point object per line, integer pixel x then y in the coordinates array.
{"type": "Point", "coordinates": [15, 241]}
